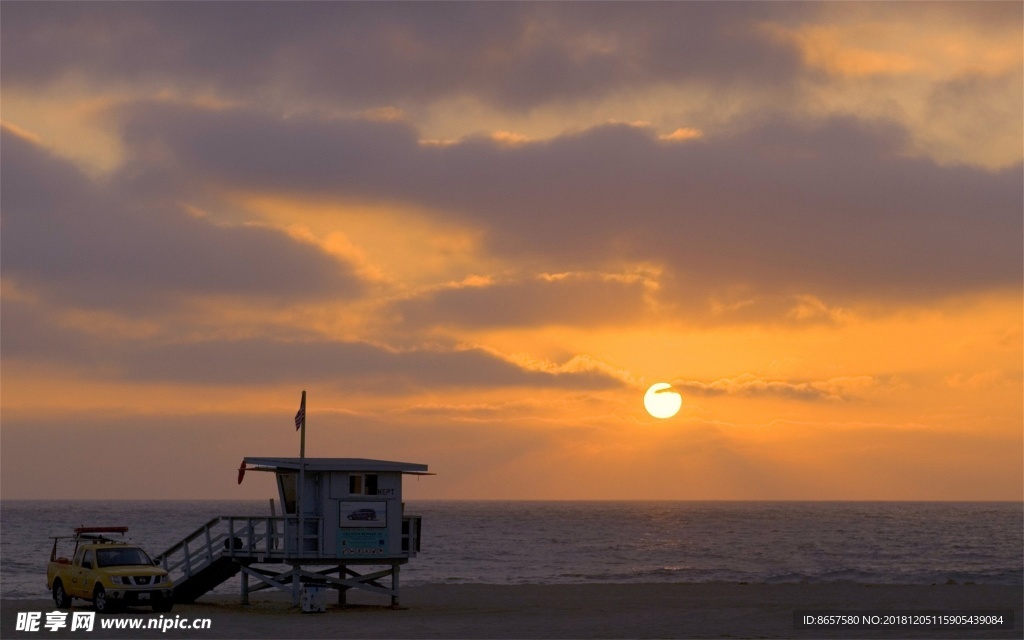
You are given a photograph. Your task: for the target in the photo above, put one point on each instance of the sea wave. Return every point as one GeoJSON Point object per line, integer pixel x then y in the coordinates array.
{"type": "Point", "coordinates": [606, 542]}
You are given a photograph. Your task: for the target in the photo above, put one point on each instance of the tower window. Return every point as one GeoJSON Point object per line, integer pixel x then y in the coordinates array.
{"type": "Point", "coordinates": [362, 484]}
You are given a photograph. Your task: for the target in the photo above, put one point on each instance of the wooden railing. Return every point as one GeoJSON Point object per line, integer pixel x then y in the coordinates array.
{"type": "Point", "coordinates": [262, 539]}
{"type": "Point", "coordinates": [271, 538]}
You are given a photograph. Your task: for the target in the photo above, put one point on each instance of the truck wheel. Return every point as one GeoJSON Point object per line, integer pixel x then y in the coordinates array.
{"type": "Point", "coordinates": [60, 596]}
{"type": "Point", "coordinates": [99, 600]}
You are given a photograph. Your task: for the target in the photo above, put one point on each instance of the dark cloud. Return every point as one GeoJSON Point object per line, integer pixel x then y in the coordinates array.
{"type": "Point", "coordinates": [983, 109]}
{"type": "Point", "coordinates": [511, 55]}
{"type": "Point", "coordinates": [571, 299]}
{"type": "Point", "coordinates": [98, 245]}
{"type": "Point", "coordinates": [31, 332]}
{"type": "Point", "coordinates": [842, 389]}
{"type": "Point", "coordinates": [254, 149]}
{"type": "Point", "coordinates": [832, 208]}
{"type": "Point", "coordinates": [361, 366]}
{"type": "Point", "coordinates": [35, 334]}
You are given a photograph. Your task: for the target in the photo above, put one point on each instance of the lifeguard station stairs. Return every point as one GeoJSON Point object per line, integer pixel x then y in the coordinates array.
{"type": "Point", "coordinates": [228, 545]}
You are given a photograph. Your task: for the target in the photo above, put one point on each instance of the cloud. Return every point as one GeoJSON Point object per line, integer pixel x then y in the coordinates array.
{"type": "Point", "coordinates": [829, 208]}
{"type": "Point", "coordinates": [359, 365]}
{"type": "Point", "coordinates": [94, 244]}
{"type": "Point", "coordinates": [577, 299]}
{"type": "Point", "coordinates": [35, 334]}
{"type": "Point", "coordinates": [979, 111]}
{"type": "Point", "coordinates": [842, 389]}
{"type": "Point", "coordinates": [534, 68]}
{"type": "Point", "coordinates": [515, 56]}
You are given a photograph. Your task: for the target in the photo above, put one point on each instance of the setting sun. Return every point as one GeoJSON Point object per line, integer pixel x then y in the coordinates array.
{"type": "Point", "coordinates": [661, 401]}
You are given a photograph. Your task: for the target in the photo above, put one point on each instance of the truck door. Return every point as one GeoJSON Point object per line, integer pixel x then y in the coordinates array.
{"type": "Point", "coordinates": [82, 572]}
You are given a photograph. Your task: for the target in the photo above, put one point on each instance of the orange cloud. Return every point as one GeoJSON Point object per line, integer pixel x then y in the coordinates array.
{"type": "Point", "coordinates": [681, 134]}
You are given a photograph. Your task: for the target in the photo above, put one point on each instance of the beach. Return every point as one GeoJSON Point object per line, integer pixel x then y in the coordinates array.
{"type": "Point", "coordinates": [671, 610]}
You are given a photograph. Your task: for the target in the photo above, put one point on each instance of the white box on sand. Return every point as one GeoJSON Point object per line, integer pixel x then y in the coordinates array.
{"type": "Point", "coordinates": [313, 599]}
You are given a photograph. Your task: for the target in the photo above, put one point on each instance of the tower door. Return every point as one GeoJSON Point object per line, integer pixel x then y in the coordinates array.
{"type": "Point", "coordinates": [287, 485]}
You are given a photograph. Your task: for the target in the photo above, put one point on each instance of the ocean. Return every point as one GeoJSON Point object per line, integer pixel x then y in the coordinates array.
{"type": "Point", "coordinates": [603, 542]}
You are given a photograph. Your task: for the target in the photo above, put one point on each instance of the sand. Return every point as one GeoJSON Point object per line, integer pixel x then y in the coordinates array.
{"type": "Point", "coordinates": [710, 610]}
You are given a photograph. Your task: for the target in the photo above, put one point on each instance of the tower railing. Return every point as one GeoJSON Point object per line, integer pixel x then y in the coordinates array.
{"type": "Point", "coordinates": [248, 538]}
{"type": "Point", "coordinates": [263, 539]}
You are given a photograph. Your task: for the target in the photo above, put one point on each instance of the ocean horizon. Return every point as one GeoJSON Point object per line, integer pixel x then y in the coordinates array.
{"type": "Point", "coordinates": [599, 541]}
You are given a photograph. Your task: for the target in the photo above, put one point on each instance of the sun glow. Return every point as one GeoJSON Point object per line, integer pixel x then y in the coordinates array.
{"type": "Point", "coordinates": [661, 401]}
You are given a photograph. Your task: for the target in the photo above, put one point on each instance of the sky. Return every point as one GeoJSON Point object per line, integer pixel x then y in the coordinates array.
{"type": "Point", "coordinates": [476, 233]}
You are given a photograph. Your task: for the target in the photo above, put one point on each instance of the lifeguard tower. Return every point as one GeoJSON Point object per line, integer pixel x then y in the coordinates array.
{"type": "Point", "coordinates": [340, 512]}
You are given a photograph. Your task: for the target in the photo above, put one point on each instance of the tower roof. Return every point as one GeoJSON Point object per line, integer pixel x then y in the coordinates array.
{"type": "Point", "coordinates": [335, 464]}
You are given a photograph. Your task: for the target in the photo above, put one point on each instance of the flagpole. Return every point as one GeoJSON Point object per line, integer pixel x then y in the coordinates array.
{"type": "Point", "coordinates": [302, 473]}
{"type": "Point", "coordinates": [302, 439]}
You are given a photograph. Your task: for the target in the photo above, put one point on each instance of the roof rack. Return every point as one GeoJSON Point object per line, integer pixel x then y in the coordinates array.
{"type": "Point", "coordinates": [81, 530]}
{"type": "Point", "coordinates": [94, 534]}
{"type": "Point", "coordinates": [88, 534]}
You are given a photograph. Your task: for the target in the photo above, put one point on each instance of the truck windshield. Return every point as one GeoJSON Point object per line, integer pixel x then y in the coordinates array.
{"type": "Point", "coordinates": [122, 557]}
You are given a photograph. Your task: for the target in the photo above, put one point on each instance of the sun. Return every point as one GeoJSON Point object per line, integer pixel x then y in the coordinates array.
{"type": "Point", "coordinates": [661, 401]}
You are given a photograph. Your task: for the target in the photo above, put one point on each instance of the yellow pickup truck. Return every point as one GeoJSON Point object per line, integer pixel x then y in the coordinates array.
{"type": "Point", "coordinates": [107, 571]}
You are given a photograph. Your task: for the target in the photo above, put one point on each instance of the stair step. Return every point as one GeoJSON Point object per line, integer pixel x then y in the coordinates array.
{"type": "Point", "coordinates": [187, 589]}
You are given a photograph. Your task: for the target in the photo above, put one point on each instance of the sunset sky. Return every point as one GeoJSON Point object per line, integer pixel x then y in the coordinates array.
{"type": "Point", "coordinates": [475, 233]}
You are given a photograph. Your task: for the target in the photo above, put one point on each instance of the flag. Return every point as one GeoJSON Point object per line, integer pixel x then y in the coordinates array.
{"type": "Point", "coordinates": [300, 416]}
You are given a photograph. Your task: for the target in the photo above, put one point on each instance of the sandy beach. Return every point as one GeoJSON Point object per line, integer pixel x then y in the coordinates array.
{"type": "Point", "coordinates": [709, 610]}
